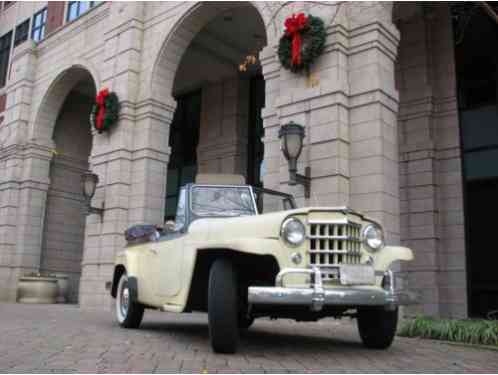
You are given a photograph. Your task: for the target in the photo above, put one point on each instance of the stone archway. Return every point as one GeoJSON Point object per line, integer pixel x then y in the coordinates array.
{"type": "Point", "coordinates": [54, 98]}
{"type": "Point", "coordinates": [222, 131]}
{"type": "Point", "coordinates": [65, 121]}
{"type": "Point", "coordinates": [173, 49]}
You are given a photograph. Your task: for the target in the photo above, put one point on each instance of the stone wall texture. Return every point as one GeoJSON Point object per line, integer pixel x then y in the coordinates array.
{"type": "Point", "coordinates": [379, 108]}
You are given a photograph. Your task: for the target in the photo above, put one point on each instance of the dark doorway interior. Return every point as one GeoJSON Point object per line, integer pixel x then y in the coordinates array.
{"type": "Point", "coordinates": [477, 70]}
{"type": "Point", "coordinates": [183, 140]}
{"type": "Point", "coordinates": [482, 206]}
{"type": "Point", "coordinates": [255, 150]}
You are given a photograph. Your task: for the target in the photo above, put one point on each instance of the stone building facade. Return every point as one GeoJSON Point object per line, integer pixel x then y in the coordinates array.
{"type": "Point", "coordinates": [379, 106]}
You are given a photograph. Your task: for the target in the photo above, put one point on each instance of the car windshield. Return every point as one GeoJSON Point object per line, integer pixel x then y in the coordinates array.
{"type": "Point", "coordinates": [223, 201]}
{"type": "Point", "coordinates": [273, 201]}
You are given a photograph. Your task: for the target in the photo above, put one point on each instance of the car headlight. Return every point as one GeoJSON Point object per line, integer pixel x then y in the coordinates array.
{"type": "Point", "coordinates": [373, 237]}
{"type": "Point", "coordinates": [293, 231]}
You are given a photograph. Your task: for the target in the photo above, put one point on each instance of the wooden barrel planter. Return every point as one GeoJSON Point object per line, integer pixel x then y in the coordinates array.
{"type": "Point", "coordinates": [37, 289]}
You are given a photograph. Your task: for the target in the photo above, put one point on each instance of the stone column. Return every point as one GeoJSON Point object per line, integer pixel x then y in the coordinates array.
{"type": "Point", "coordinates": [125, 158]}
{"type": "Point", "coordinates": [420, 210]}
{"type": "Point", "coordinates": [373, 103]}
{"type": "Point", "coordinates": [24, 177]}
{"type": "Point", "coordinates": [319, 102]}
{"type": "Point", "coordinates": [431, 190]}
{"type": "Point", "coordinates": [224, 127]}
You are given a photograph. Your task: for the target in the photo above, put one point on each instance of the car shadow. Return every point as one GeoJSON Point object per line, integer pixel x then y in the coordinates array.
{"type": "Point", "coordinates": [274, 341]}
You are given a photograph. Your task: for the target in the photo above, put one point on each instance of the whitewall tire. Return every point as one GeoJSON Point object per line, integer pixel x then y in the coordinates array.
{"type": "Point", "coordinates": [129, 313]}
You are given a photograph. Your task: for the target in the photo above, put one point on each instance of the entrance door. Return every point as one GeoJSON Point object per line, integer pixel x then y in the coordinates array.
{"type": "Point", "coordinates": [482, 208]}
{"type": "Point", "coordinates": [477, 70]}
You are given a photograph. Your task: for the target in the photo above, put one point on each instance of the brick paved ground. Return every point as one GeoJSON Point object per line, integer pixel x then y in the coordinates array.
{"type": "Point", "coordinates": [63, 338]}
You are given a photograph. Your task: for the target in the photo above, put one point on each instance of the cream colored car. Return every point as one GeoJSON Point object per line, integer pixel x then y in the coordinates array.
{"type": "Point", "coordinates": [226, 256]}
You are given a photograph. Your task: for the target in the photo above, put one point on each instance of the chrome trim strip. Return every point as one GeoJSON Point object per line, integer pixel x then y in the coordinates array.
{"type": "Point", "coordinates": [336, 221]}
{"type": "Point", "coordinates": [341, 238]}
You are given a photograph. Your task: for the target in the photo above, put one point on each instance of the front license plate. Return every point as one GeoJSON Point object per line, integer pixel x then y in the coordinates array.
{"type": "Point", "coordinates": [357, 274]}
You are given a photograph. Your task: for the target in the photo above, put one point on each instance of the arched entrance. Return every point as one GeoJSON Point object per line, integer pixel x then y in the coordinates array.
{"type": "Point", "coordinates": [64, 220]}
{"type": "Point", "coordinates": [210, 67]}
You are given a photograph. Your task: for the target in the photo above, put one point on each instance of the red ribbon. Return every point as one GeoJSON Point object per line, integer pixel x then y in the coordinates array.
{"type": "Point", "coordinates": [100, 99]}
{"type": "Point", "coordinates": [293, 27]}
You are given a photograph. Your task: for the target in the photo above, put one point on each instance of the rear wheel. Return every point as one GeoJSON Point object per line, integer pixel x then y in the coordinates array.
{"type": "Point", "coordinates": [223, 307]}
{"type": "Point", "coordinates": [128, 312]}
{"type": "Point", "coordinates": [377, 326]}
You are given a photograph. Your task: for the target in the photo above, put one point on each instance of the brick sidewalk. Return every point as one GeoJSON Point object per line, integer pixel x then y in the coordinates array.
{"type": "Point", "coordinates": [63, 338]}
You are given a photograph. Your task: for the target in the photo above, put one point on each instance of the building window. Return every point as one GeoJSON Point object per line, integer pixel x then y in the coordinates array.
{"type": "Point", "coordinates": [77, 8]}
{"type": "Point", "coordinates": [4, 57]}
{"type": "Point", "coordinates": [39, 22]}
{"type": "Point", "coordinates": [22, 32]}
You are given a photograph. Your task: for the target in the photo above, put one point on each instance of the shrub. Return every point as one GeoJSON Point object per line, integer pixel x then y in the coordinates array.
{"type": "Point", "coordinates": [471, 331]}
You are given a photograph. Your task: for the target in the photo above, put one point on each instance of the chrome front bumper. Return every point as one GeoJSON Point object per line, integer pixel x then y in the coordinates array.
{"type": "Point", "coordinates": [316, 296]}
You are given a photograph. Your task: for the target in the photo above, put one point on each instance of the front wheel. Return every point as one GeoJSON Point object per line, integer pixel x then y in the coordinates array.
{"type": "Point", "coordinates": [223, 307]}
{"type": "Point", "coordinates": [377, 326]}
{"type": "Point", "coordinates": [245, 322]}
{"type": "Point", "coordinates": [128, 312]}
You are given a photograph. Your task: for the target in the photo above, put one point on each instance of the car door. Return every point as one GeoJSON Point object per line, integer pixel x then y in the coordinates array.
{"type": "Point", "coordinates": [166, 266]}
{"type": "Point", "coordinates": [168, 251]}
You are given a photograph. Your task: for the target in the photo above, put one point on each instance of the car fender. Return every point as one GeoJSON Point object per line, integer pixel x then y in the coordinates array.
{"type": "Point", "coordinates": [126, 259]}
{"type": "Point", "coordinates": [256, 246]}
{"type": "Point", "coordinates": [389, 254]}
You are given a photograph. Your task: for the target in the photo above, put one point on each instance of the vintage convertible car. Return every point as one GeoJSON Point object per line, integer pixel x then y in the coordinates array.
{"type": "Point", "coordinates": [240, 253]}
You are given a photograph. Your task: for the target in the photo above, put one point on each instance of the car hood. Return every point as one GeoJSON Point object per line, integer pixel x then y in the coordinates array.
{"type": "Point", "coordinates": [259, 226]}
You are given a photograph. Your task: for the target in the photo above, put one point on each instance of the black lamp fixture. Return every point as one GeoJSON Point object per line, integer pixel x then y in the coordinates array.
{"type": "Point", "coordinates": [291, 143]}
{"type": "Point", "coordinates": [89, 183]}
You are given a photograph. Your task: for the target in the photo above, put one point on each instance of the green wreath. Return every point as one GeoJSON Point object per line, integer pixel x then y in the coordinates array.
{"type": "Point", "coordinates": [110, 111]}
{"type": "Point", "coordinates": [313, 43]}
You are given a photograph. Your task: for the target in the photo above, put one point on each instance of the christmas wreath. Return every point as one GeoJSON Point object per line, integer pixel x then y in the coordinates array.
{"type": "Point", "coordinates": [302, 42]}
{"type": "Point", "coordinates": [105, 111]}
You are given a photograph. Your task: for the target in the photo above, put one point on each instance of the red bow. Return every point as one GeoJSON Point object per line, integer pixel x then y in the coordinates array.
{"type": "Point", "coordinates": [293, 27]}
{"type": "Point", "coordinates": [100, 99]}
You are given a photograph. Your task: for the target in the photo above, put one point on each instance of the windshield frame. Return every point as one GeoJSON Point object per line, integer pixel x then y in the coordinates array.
{"type": "Point", "coordinates": [197, 215]}
{"type": "Point", "coordinates": [263, 190]}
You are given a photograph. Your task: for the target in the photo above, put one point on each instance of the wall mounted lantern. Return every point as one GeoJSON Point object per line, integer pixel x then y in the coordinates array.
{"type": "Point", "coordinates": [89, 183]}
{"type": "Point", "coordinates": [291, 143]}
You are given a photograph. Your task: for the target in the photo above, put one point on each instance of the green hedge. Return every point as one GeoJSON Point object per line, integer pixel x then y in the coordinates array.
{"type": "Point", "coordinates": [483, 332]}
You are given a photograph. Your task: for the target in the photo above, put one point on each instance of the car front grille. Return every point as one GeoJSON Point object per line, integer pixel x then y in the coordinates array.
{"type": "Point", "coordinates": [332, 244]}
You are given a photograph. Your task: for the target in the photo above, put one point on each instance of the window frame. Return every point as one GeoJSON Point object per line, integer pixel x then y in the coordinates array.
{"type": "Point", "coordinates": [6, 49]}
{"type": "Point", "coordinates": [17, 41]}
{"type": "Point", "coordinates": [91, 4]}
{"type": "Point", "coordinates": [42, 27]}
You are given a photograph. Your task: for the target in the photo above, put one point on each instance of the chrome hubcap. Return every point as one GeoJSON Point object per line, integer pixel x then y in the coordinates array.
{"type": "Point", "coordinates": [125, 299]}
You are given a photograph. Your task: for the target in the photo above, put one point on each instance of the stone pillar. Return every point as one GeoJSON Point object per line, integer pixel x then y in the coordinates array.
{"type": "Point", "coordinates": [449, 168]}
{"type": "Point", "coordinates": [373, 103]}
{"type": "Point", "coordinates": [348, 105]}
{"type": "Point", "coordinates": [418, 181]}
{"type": "Point", "coordinates": [431, 189]}
{"type": "Point", "coordinates": [318, 101]}
{"type": "Point", "coordinates": [224, 127]}
{"type": "Point", "coordinates": [24, 177]}
{"type": "Point", "coordinates": [123, 158]}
